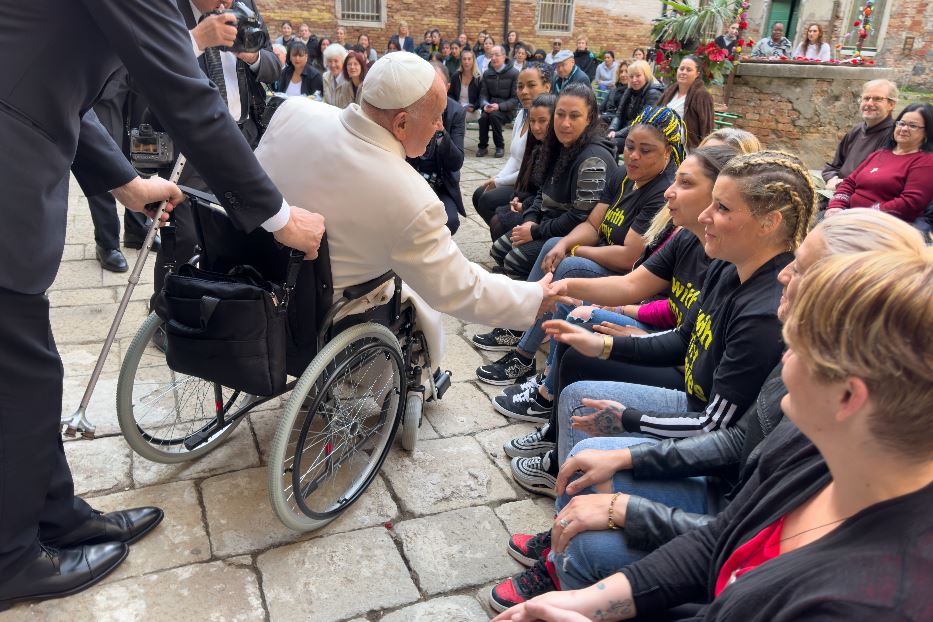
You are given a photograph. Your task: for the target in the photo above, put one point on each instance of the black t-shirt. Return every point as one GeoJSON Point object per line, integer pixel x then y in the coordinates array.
{"type": "Point", "coordinates": [683, 262]}
{"type": "Point", "coordinates": [728, 343]}
{"type": "Point", "coordinates": [631, 208]}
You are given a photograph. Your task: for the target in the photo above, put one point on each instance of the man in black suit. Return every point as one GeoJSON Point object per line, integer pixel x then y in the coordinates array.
{"type": "Point", "coordinates": [442, 160]}
{"type": "Point", "coordinates": [46, 130]}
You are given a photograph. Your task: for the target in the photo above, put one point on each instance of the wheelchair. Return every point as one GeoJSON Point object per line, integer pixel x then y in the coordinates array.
{"type": "Point", "coordinates": [353, 383]}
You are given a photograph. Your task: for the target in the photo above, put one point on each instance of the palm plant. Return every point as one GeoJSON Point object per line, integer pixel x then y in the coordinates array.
{"type": "Point", "coordinates": [695, 23]}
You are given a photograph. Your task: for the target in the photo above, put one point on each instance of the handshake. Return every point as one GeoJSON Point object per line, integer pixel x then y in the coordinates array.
{"type": "Point", "coordinates": [552, 293]}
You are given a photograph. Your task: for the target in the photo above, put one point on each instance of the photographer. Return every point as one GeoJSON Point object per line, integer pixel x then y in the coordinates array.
{"type": "Point", "coordinates": [442, 160]}
{"type": "Point", "coordinates": [238, 78]}
{"type": "Point", "coordinates": [46, 131]}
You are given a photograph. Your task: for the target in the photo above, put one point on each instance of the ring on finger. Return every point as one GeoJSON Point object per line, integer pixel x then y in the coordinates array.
{"type": "Point", "coordinates": [563, 523]}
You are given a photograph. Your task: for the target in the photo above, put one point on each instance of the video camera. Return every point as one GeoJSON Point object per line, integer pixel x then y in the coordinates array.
{"type": "Point", "coordinates": [251, 33]}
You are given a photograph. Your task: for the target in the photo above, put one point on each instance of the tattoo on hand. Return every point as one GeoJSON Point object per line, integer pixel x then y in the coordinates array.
{"type": "Point", "coordinates": [609, 421]}
{"type": "Point", "coordinates": [617, 609]}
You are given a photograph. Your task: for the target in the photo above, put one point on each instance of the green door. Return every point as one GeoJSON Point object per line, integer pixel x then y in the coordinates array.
{"type": "Point", "coordinates": [786, 12]}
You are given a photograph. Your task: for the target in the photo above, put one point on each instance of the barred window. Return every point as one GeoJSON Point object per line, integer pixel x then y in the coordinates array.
{"type": "Point", "coordinates": [361, 11]}
{"type": "Point", "coordinates": [555, 15]}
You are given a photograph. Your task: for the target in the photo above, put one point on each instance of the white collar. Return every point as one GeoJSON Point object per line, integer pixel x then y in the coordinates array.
{"type": "Point", "coordinates": [357, 123]}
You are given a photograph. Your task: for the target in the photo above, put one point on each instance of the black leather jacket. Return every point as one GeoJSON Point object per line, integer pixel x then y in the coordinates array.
{"type": "Point", "coordinates": [727, 457]}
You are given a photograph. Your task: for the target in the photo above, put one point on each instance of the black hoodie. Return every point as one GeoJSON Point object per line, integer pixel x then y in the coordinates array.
{"type": "Point", "coordinates": [633, 102]}
{"type": "Point", "coordinates": [587, 62]}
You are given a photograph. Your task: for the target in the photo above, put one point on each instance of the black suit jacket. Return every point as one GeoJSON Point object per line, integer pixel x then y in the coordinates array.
{"type": "Point", "coordinates": [311, 80]}
{"type": "Point", "coordinates": [46, 128]}
{"type": "Point", "coordinates": [447, 158]}
{"type": "Point", "coordinates": [269, 71]}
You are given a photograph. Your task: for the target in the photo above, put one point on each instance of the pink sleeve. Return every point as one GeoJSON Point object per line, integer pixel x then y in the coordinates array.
{"type": "Point", "coordinates": [657, 313]}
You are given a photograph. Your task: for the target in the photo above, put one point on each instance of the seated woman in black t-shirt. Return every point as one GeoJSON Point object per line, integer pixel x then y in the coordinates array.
{"type": "Point", "coordinates": [728, 343]}
{"type": "Point", "coordinates": [833, 523]}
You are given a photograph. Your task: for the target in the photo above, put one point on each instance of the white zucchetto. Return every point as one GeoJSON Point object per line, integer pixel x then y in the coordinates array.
{"type": "Point", "coordinates": [397, 80]}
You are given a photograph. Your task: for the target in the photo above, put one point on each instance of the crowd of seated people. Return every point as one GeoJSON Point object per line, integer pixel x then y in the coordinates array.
{"type": "Point", "coordinates": [661, 409]}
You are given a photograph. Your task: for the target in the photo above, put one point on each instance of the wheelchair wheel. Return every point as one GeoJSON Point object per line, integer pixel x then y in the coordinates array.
{"type": "Point", "coordinates": [159, 409]}
{"type": "Point", "coordinates": [412, 421]}
{"type": "Point", "coordinates": [338, 427]}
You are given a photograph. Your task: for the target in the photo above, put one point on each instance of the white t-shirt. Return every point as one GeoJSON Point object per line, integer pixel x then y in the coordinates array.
{"type": "Point", "coordinates": [465, 95]}
{"type": "Point", "coordinates": [294, 88]}
{"type": "Point", "coordinates": [677, 104]}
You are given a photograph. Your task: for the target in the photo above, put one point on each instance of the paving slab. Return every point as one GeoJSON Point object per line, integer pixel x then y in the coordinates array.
{"type": "Point", "coordinates": [445, 474]}
{"type": "Point", "coordinates": [178, 540]}
{"type": "Point", "coordinates": [100, 465]}
{"type": "Point", "coordinates": [311, 581]}
{"type": "Point", "coordinates": [238, 452]}
{"type": "Point", "coordinates": [238, 503]}
{"type": "Point", "coordinates": [214, 591]}
{"type": "Point", "coordinates": [90, 323]}
{"type": "Point", "coordinates": [447, 609]}
{"type": "Point", "coordinates": [102, 409]}
{"type": "Point", "coordinates": [463, 410]}
{"type": "Point", "coordinates": [454, 550]}
{"type": "Point", "coordinates": [492, 441]}
{"type": "Point", "coordinates": [528, 515]}
{"type": "Point", "coordinates": [461, 359]}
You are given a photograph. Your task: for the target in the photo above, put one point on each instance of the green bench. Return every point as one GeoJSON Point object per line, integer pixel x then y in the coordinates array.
{"type": "Point", "coordinates": [725, 119]}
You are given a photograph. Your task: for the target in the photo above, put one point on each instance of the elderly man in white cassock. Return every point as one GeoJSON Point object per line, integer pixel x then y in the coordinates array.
{"type": "Point", "coordinates": [380, 213]}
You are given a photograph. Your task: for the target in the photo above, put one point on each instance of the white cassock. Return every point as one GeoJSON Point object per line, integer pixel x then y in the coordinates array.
{"type": "Point", "coordinates": [381, 215]}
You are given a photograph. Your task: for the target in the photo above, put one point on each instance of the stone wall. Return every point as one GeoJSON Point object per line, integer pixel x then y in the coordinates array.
{"type": "Point", "coordinates": [804, 109]}
{"type": "Point", "coordinates": [608, 24]}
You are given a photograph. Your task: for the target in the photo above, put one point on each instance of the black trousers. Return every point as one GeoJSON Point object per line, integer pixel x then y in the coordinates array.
{"type": "Point", "coordinates": [495, 120]}
{"type": "Point", "coordinates": [486, 201]}
{"type": "Point", "coordinates": [107, 222]}
{"type": "Point", "coordinates": [36, 490]}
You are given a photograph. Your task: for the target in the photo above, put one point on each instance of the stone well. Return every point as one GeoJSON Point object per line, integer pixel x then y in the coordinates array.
{"type": "Point", "coordinates": [801, 108]}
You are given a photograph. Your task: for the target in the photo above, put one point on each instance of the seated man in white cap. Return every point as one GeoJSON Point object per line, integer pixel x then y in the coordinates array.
{"type": "Point", "coordinates": [385, 215]}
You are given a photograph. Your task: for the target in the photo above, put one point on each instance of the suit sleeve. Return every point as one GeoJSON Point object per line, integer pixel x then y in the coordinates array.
{"type": "Point", "coordinates": [151, 40]}
{"type": "Point", "coordinates": [430, 262]}
{"type": "Point", "coordinates": [269, 68]}
{"type": "Point", "coordinates": [99, 164]}
{"type": "Point", "coordinates": [451, 148]}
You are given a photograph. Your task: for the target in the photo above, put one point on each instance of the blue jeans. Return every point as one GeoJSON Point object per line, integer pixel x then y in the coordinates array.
{"type": "Point", "coordinates": [568, 268]}
{"type": "Point", "coordinates": [638, 396]}
{"type": "Point", "coordinates": [594, 555]}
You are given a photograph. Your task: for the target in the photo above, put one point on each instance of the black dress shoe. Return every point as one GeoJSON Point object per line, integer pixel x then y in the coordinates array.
{"type": "Point", "coordinates": [481, 152]}
{"type": "Point", "coordinates": [111, 259]}
{"type": "Point", "coordinates": [54, 573]}
{"type": "Point", "coordinates": [137, 243]}
{"type": "Point", "coordinates": [500, 152]}
{"type": "Point", "coordinates": [126, 526]}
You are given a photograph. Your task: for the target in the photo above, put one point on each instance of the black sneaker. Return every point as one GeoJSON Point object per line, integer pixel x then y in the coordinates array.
{"type": "Point", "coordinates": [533, 382]}
{"type": "Point", "coordinates": [530, 445]}
{"type": "Point", "coordinates": [528, 549]}
{"type": "Point", "coordinates": [534, 581]}
{"type": "Point", "coordinates": [507, 370]}
{"type": "Point", "coordinates": [533, 475]}
{"type": "Point", "coordinates": [527, 405]}
{"type": "Point", "coordinates": [482, 152]}
{"type": "Point", "coordinates": [499, 340]}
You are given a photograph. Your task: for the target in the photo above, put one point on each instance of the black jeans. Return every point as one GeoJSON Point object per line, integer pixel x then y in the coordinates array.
{"type": "Point", "coordinates": [495, 120]}
{"type": "Point", "coordinates": [486, 201]}
{"type": "Point", "coordinates": [36, 490]}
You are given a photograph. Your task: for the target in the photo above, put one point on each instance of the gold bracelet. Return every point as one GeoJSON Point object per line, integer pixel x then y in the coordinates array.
{"type": "Point", "coordinates": [607, 347]}
{"type": "Point", "coordinates": [573, 251]}
{"type": "Point", "coordinates": [612, 525]}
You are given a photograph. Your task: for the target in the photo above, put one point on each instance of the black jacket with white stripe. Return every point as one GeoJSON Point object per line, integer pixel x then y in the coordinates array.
{"type": "Point", "coordinates": [728, 344]}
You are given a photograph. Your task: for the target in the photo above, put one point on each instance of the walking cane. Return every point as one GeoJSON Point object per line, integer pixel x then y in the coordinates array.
{"type": "Point", "coordinates": [78, 422]}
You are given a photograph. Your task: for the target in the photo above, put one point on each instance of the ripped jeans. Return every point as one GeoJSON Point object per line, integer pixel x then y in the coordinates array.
{"type": "Point", "coordinates": [592, 556]}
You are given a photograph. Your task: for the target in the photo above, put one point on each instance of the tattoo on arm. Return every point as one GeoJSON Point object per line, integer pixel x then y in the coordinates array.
{"type": "Point", "coordinates": [617, 609]}
{"type": "Point", "coordinates": [609, 421]}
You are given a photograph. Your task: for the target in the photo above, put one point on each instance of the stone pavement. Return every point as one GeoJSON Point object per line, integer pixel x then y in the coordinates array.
{"type": "Point", "coordinates": [425, 542]}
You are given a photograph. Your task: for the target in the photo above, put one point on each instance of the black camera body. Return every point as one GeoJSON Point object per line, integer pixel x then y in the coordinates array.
{"type": "Point", "coordinates": [150, 150]}
{"type": "Point", "coordinates": [251, 33]}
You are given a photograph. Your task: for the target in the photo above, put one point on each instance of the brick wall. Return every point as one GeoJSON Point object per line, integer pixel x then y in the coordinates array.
{"type": "Point", "coordinates": [909, 18]}
{"type": "Point", "coordinates": [608, 24]}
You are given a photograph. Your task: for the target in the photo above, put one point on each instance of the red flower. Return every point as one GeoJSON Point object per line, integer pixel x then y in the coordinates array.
{"type": "Point", "coordinates": [857, 23]}
{"type": "Point", "coordinates": [731, 58]}
{"type": "Point", "coordinates": [871, 62]}
{"type": "Point", "coordinates": [743, 25]}
{"type": "Point", "coordinates": [740, 43]}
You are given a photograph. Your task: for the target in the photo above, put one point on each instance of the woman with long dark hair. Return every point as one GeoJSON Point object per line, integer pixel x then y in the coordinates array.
{"type": "Point", "coordinates": [571, 173]}
{"type": "Point", "coordinates": [689, 98]}
{"type": "Point", "coordinates": [298, 76]}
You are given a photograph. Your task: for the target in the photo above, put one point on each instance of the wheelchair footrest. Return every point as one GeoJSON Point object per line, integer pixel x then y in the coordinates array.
{"type": "Point", "coordinates": [442, 381]}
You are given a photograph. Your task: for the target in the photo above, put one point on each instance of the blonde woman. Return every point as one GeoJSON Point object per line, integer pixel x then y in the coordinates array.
{"type": "Point", "coordinates": [464, 85]}
{"type": "Point", "coordinates": [643, 90]}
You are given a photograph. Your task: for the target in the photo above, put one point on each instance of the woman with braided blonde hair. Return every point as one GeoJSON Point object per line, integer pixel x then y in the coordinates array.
{"type": "Point", "coordinates": [728, 343]}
